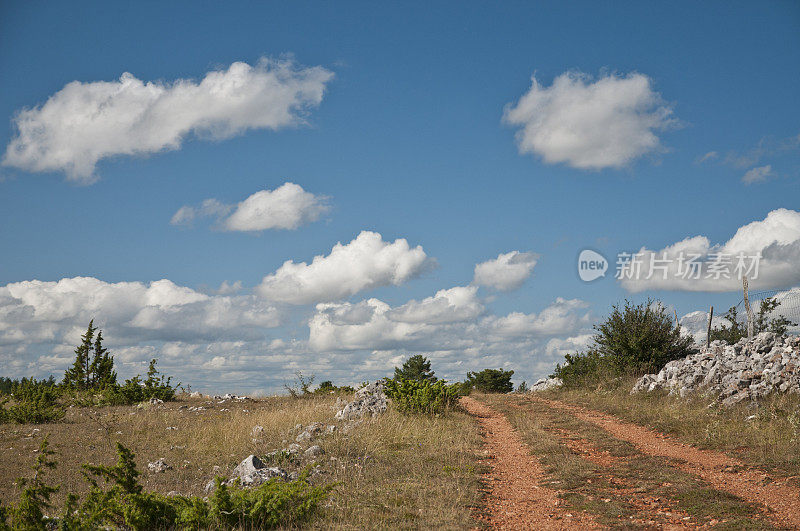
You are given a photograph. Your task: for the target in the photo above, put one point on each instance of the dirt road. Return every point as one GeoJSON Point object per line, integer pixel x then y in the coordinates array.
{"type": "Point", "coordinates": [624, 467]}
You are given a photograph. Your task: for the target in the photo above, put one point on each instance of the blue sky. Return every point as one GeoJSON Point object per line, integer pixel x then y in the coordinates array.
{"type": "Point", "coordinates": [408, 140]}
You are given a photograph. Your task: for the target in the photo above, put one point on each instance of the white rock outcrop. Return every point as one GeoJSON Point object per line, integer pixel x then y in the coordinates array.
{"type": "Point", "coordinates": [747, 370]}
{"type": "Point", "coordinates": [370, 400]}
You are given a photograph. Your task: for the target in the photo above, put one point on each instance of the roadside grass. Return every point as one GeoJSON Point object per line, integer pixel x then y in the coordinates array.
{"type": "Point", "coordinates": [405, 471]}
{"type": "Point", "coordinates": [766, 435]}
{"type": "Point", "coordinates": [393, 471]}
{"type": "Point", "coordinates": [612, 479]}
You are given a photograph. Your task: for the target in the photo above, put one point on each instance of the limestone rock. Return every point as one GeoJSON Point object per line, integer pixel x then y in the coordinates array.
{"type": "Point", "coordinates": [370, 400]}
{"type": "Point", "coordinates": [748, 370]}
{"type": "Point", "coordinates": [159, 465]}
{"type": "Point", "coordinates": [546, 383]}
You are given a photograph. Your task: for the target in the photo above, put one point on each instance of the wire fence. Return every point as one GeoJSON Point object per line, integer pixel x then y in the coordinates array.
{"type": "Point", "coordinates": [788, 305]}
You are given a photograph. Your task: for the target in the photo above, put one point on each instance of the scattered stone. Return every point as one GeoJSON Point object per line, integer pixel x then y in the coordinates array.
{"type": "Point", "coordinates": [196, 394]}
{"type": "Point", "coordinates": [310, 433]}
{"type": "Point", "coordinates": [253, 472]}
{"type": "Point", "coordinates": [314, 451]}
{"type": "Point", "coordinates": [748, 370]}
{"type": "Point", "coordinates": [155, 401]}
{"type": "Point", "coordinates": [547, 383]}
{"type": "Point", "coordinates": [159, 465]}
{"type": "Point", "coordinates": [370, 400]}
{"type": "Point", "coordinates": [173, 493]}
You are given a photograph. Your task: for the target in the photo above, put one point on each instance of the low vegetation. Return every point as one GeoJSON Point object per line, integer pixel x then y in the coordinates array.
{"type": "Point", "coordinates": [423, 396]}
{"type": "Point", "coordinates": [117, 500]}
{"type": "Point", "coordinates": [91, 380]}
{"type": "Point", "coordinates": [634, 339]}
{"type": "Point", "coordinates": [764, 321]}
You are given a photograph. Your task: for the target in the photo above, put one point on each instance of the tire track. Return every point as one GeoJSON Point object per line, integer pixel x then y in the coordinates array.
{"type": "Point", "coordinates": [515, 498]}
{"type": "Point", "coordinates": [722, 472]}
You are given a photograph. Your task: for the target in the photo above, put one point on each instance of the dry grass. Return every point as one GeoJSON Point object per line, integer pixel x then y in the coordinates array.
{"type": "Point", "coordinates": [395, 471]}
{"type": "Point", "coordinates": [766, 435]}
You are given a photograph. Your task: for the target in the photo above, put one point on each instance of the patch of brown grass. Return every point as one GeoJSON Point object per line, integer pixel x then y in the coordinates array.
{"type": "Point", "coordinates": [393, 471]}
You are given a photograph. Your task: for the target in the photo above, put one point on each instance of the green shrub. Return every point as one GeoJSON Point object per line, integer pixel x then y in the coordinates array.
{"type": "Point", "coordinates": [116, 500]}
{"type": "Point", "coordinates": [32, 402]}
{"type": "Point", "coordinates": [491, 381]}
{"type": "Point", "coordinates": [34, 500]}
{"type": "Point", "coordinates": [585, 369]}
{"type": "Point", "coordinates": [634, 339]}
{"type": "Point", "coordinates": [137, 390]}
{"type": "Point", "coordinates": [641, 337]}
{"type": "Point", "coordinates": [763, 321]}
{"type": "Point", "coordinates": [422, 396]}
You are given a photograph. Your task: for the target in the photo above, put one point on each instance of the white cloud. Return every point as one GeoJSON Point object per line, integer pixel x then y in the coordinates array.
{"type": "Point", "coordinates": [557, 348]}
{"type": "Point", "coordinates": [695, 324]}
{"type": "Point", "coordinates": [41, 322]}
{"type": "Point", "coordinates": [447, 306]}
{"type": "Point", "coordinates": [711, 155]}
{"type": "Point", "coordinates": [562, 317]}
{"type": "Point", "coordinates": [365, 263]}
{"type": "Point", "coordinates": [776, 238]}
{"type": "Point", "coordinates": [86, 122]}
{"type": "Point", "coordinates": [287, 207]}
{"type": "Point", "coordinates": [507, 272]}
{"type": "Point", "coordinates": [589, 124]}
{"type": "Point", "coordinates": [757, 175]}
{"type": "Point", "coordinates": [450, 320]}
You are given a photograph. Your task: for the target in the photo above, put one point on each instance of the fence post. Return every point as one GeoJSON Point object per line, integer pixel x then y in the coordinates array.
{"type": "Point", "coordinates": [747, 308]}
{"type": "Point", "coordinates": [710, 318]}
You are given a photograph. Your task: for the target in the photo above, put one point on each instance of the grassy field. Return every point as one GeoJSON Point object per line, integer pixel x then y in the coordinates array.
{"type": "Point", "coordinates": [766, 435]}
{"type": "Point", "coordinates": [393, 471]}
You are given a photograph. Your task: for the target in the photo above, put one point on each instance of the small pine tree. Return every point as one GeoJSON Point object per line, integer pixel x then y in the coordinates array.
{"type": "Point", "coordinates": [416, 367]}
{"type": "Point", "coordinates": [79, 375]}
{"type": "Point", "coordinates": [102, 368]}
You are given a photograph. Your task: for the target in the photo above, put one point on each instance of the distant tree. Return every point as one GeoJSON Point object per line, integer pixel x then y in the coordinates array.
{"type": "Point", "coordinates": [416, 367]}
{"type": "Point", "coordinates": [79, 375]}
{"type": "Point", "coordinates": [491, 381]}
{"type": "Point", "coordinates": [102, 368]}
{"type": "Point", "coordinates": [93, 367]}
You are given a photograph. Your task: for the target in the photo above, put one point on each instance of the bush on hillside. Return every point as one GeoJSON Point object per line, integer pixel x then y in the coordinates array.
{"type": "Point", "coordinates": [635, 338]}
{"type": "Point", "coordinates": [490, 381]}
{"type": "Point", "coordinates": [32, 402]}
{"type": "Point", "coordinates": [134, 390]}
{"type": "Point", "coordinates": [422, 396]}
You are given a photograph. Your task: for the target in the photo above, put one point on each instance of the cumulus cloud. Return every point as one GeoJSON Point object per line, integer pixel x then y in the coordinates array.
{"type": "Point", "coordinates": [365, 263]}
{"type": "Point", "coordinates": [590, 124]}
{"type": "Point", "coordinates": [41, 322]}
{"type": "Point", "coordinates": [450, 320]}
{"type": "Point", "coordinates": [241, 343]}
{"type": "Point", "coordinates": [757, 175]}
{"type": "Point", "coordinates": [287, 207]}
{"type": "Point", "coordinates": [507, 272]}
{"type": "Point", "coordinates": [85, 122]}
{"type": "Point", "coordinates": [776, 239]}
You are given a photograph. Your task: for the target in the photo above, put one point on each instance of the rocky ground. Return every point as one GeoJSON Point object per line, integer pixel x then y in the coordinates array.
{"type": "Point", "coordinates": [748, 370]}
